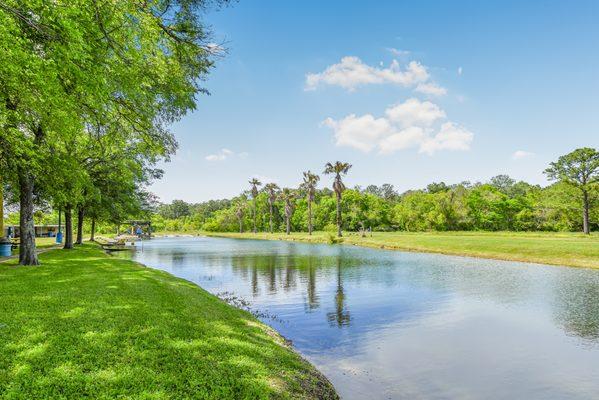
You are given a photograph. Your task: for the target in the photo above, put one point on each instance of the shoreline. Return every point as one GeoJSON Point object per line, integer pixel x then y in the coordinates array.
{"type": "Point", "coordinates": [129, 317]}
{"type": "Point", "coordinates": [323, 382]}
{"type": "Point", "coordinates": [353, 239]}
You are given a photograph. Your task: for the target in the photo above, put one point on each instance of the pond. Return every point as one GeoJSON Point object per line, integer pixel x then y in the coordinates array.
{"type": "Point", "coordinates": [394, 325]}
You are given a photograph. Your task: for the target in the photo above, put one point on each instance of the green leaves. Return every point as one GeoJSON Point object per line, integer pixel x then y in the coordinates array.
{"type": "Point", "coordinates": [579, 168]}
{"type": "Point", "coordinates": [88, 90]}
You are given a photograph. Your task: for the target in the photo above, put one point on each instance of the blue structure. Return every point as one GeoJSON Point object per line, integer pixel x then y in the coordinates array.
{"type": "Point", "coordinates": [59, 233]}
{"type": "Point", "coordinates": [5, 247]}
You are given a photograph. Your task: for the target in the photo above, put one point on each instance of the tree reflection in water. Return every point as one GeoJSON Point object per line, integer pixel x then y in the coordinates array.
{"type": "Point", "coordinates": [576, 306]}
{"type": "Point", "coordinates": [341, 315]}
{"type": "Point", "coordinates": [284, 272]}
{"type": "Point", "coordinates": [313, 302]}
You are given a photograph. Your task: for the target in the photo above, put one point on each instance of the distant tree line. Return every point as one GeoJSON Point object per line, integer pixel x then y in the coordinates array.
{"type": "Point", "coordinates": [569, 204]}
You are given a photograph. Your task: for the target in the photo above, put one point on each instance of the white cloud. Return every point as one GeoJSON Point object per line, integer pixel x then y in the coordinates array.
{"type": "Point", "coordinates": [431, 89]}
{"type": "Point", "coordinates": [414, 112]}
{"type": "Point", "coordinates": [351, 72]}
{"type": "Point", "coordinates": [520, 154]}
{"type": "Point", "coordinates": [411, 124]}
{"type": "Point", "coordinates": [460, 70]}
{"type": "Point", "coordinates": [397, 52]}
{"type": "Point", "coordinates": [450, 137]}
{"type": "Point", "coordinates": [223, 154]}
{"type": "Point", "coordinates": [362, 133]}
{"type": "Point", "coordinates": [406, 138]}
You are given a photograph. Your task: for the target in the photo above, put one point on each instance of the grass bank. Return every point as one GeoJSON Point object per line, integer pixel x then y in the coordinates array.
{"type": "Point", "coordinates": [87, 325]}
{"type": "Point", "coordinates": [570, 249]}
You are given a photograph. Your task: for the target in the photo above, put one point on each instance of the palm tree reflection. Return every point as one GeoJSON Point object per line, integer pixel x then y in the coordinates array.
{"type": "Point", "coordinates": [341, 316]}
{"type": "Point", "coordinates": [313, 302]}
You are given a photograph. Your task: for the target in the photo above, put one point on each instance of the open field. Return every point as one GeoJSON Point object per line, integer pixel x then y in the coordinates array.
{"type": "Point", "coordinates": [570, 249]}
{"type": "Point", "coordinates": [87, 325]}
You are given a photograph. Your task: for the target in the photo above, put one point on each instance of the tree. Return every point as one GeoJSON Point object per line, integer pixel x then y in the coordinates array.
{"type": "Point", "coordinates": [338, 169]}
{"type": "Point", "coordinates": [579, 169]}
{"type": "Point", "coordinates": [504, 183]}
{"type": "Point", "coordinates": [309, 185]}
{"type": "Point", "coordinates": [272, 191]}
{"type": "Point", "coordinates": [141, 63]}
{"type": "Point", "coordinates": [239, 212]}
{"type": "Point", "coordinates": [288, 196]}
{"type": "Point", "coordinates": [437, 187]}
{"type": "Point", "coordinates": [254, 182]}
{"type": "Point", "coordinates": [388, 192]}
{"type": "Point", "coordinates": [179, 208]}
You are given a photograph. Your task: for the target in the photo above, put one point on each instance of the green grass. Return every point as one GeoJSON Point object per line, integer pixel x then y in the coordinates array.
{"type": "Point", "coordinates": [45, 242]}
{"type": "Point", "coordinates": [87, 325]}
{"type": "Point", "coordinates": [570, 249]}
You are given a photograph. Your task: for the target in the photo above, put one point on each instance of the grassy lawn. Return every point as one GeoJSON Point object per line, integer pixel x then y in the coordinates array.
{"type": "Point", "coordinates": [45, 242]}
{"type": "Point", "coordinates": [87, 325]}
{"type": "Point", "coordinates": [570, 249]}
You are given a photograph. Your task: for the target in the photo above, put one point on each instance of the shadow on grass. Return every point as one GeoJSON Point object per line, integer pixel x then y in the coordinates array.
{"type": "Point", "coordinates": [86, 325]}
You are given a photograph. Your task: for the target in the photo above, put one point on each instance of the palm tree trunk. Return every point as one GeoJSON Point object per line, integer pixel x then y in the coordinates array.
{"type": "Point", "coordinates": [254, 215]}
{"type": "Point", "coordinates": [80, 216]}
{"type": "Point", "coordinates": [68, 227]}
{"type": "Point", "coordinates": [27, 251]}
{"type": "Point", "coordinates": [309, 217]}
{"type": "Point", "coordinates": [339, 215]}
{"type": "Point", "coordinates": [585, 213]}
{"type": "Point", "coordinates": [288, 223]}
{"type": "Point", "coordinates": [270, 217]}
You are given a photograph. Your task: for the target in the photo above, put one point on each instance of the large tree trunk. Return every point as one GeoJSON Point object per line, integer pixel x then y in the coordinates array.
{"type": "Point", "coordinates": [288, 225]}
{"type": "Point", "coordinates": [270, 218]}
{"type": "Point", "coordinates": [68, 227]}
{"type": "Point", "coordinates": [309, 217]}
{"type": "Point", "coordinates": [585, 213]}
{"type": "Point", "coordinates": [92, 236]}
{"type": "Point", "coordinates": [80, 216]}
{"type": "Point", "coordinates": [27, 251]}
{"type": "Point", "coordinates": [339, 215]}
{"type": "Point", "coordinates": [240, 225]}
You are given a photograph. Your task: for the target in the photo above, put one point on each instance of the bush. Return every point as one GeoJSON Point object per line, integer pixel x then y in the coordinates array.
{"type": "Point", "coordinates": [332, 239]}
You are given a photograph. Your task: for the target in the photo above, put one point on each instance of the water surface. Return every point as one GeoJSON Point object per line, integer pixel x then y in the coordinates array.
{"type": "Point", "coordinates": [394, 325]}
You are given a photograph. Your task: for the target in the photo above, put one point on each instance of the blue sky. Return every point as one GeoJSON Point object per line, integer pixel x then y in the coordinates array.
{"type": "Point", "coordinates": [476, 89]}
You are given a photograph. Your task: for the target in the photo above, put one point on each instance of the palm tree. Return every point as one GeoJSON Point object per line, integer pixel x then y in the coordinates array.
{"type": "Point", "coordinates": [288, 196]}
{"type": "Point", "coordinates": [239, 211]}
{"type": "Point", "coordinates": [309, 185]}
{"type": "Point", "coordinates": [272, 190]}
{"type": "Point", "coordinates": [339, 168]}
{"type": "Point", "coordinates": [255, 183]}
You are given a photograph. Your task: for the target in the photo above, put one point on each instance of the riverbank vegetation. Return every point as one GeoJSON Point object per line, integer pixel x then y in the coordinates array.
{"type": "Point", "coordinates": [88, 325]}
{"type": "Point", "coordinates": [501, 204]}
{"type": "Point", "coordinates": [571, 249]}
